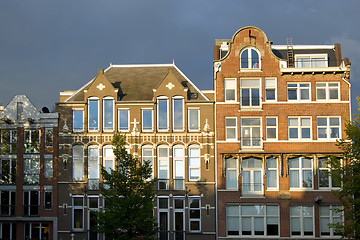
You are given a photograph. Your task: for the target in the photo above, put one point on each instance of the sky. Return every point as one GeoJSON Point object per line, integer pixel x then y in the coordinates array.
{"type": "Point", "coordinates": [49, 46]}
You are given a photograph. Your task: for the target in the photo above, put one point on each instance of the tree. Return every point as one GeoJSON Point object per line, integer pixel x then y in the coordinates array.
{"type": "Point", "coordinates": [129, 197]}
{"type": "Point", "coordinates": [349, 194]}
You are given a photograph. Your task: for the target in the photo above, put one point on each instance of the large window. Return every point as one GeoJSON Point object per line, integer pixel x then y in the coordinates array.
{"type": "Point", "coordinates": [148, 156]}
{"type": "Point", "coordinates": [252, 220]}
{"type": "Point", "coordinates": [93, 207]}
{"type": "Point", "coordinates": [78, 213]}
{"type": "Point", "coordinates": [108, 109]}
{"type": "Point", "coordinates": [8, 141]}
{"type": "Point", "coordinates": [298, 91]}
{"type": "Point", "coordinates": [49, 139]}
{"type": "Point", "coordinates": [7, 204]}
{"type": "Point", "coordinates": [272, 173]}
{"type": "Point", "coordinates": [163, 114]}
{"type": "Point", "coordinates": [8, 170]}
{"type": "Point", "coordinates": [230, 90]}
{"type": "Point", "coordinates": [231, 174]}
{"type": "Point", "coordinates": [300, 173]}
{"type": "Point", "coordinates": [329, 215]}
{"type": "Point", "coordinates": [147, 120]}
{"type": "Point", "coordinates": [327, 177]}
{"type": "Point", "coordinates": [163, 218]}
{"type": "Point", "coordinates": [194, 163]}
{"type": "Point", "coordinates": [109, 158]}
{"type": "Point", "coordinates": [230, 129]}
{"type": "Point", "coordinates": [251, 176]}
{"type": "Point", "coordinates": [8, 230]}
{"type": "Point", "coordinates": [299, 128]}
{"type": "Point", "coordinates": [178, 114]}
{"type": "Point", "coordinates": [301, 221]}
{"type": "Point", "coordinates": [31, 203]}
{"type": "Point", "coordinates": [327, 91]}
{"type": "Point", "coordinates": [36, 230]}
{"type": "Point", "coordinates": [48, 166]}
{"type": "Point", "coordinates": [179, 167]}
{"type": "Point", "coordinates": [194, 119]}
{"type": "Point", "coordinates": [31, 169]}
{"type": "Point", "coordinates": [93, 114]}
{"type": "Point", "coordinates": [270, 89]}
{"type": "Point", "coordinates": [93, 167]}
{"type": "Point", "coordinates": [250, 132]}
{"type": "Point", "coordinates": [124, 119]}
{"type": "Point", "coordinates": [163, 167]}
{"type": "Point", "coordinates": [328, 128]}
{"type": "Point", "coordinates": [179, 217]}
{"type": "Point", "coordinates": [310, 61]}
{"type": "Point", "coordinates": [271, 128]}
{"type": "Point", "coordinates": [78, 163]}
{"type": "Point", "coordinates": [194, 214]}
{"type": "Point", "coordinates": [249, 58]}
{"type": "Point", "coordinates": [31, 141]}
{"type": "Point", "coordinates": [250, 92]}
{"type": "Point", "coordinates": [78, 120]}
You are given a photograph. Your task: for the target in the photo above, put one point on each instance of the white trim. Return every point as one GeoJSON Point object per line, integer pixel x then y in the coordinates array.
{"type": "Point", "coordinates": [98, 114]}
{"type": "Point", "coordinates": [173, 113]}
{"type": "Point", "coordinates": [104, 114]}
{"type": "Point", "coordinates": [327, 91]}
{"type": "Point", "coordinates": [231, 127]}
{"type": "Point", "coordinates": [167, 113]}
{"type": "Point", "coordinates": [298, 91]}
{"type": "Point", "coordinates": [235, 89]}
{"type": "Point", "coordinates": [72, 213]}
{"type": "Point", "coordinates": [276, 128]}
{"type": "Point", "coordinates": [189, 122]}
{"type": "Point", "coordinates": [142, 119]}
{"type": "Point", "coordinates": [128, 122]}
{"type": "Point", "coordinates": [284, 47]}
{"type": "Point", "coordinates": [299, 128]}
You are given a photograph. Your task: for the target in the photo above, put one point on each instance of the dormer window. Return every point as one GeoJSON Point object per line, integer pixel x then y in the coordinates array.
{"type": "Point", "coordinates": [250, 59]}
{"type": "Point", "coordinates": [311, 60]}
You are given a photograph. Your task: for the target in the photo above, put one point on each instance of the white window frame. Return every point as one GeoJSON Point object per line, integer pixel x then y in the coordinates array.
{"type": "Point", "coordinates": [298, 88]}
{"type": "Point", "coordinates": [150, 158]}
{"type": "Point", "coordinates": [73, 215]}
{"type": "Point", "coordinates": [249, 60]}
{"type": "Point", "coordinates": [73, 119]}
{"type": "Point", "coordinates": [259, 87]}
{"type": "Point", "coordinates": [252, 178]}
{"type": "Point", "coordinates": [93, 182]}
{"type": "Point", "coordinates": [181, 161]}
{"type": "Point", "coordinates": [31, 146]}
{"type": "Point", "coordinates": [11, 141]}
{"type": "Point", "coordinates": [110, 158]}
{"type": "Point", "coordinates": [328, 170]}
{"type": "Point", "coordinates": [328, 128]}
{"type": "Point", "coordinates": [251, 128]}
{"type": "Point", "coordinates": [267, 127]}
{"type": "Point", "coordinates": [11, 199]}
{"type": "Point", "coordinates": [98, 114]}
{"type": "Point", "coordinates": [227, 88]}
{"type": "Point", "coordinates": [163, 129]}
{"type": "Point", "coordinates": [142, 120]}
{"type": "Point", "coordinates": [179, 210]}
{"type": "Point", "coordinates": [310, 56]}
{"type": "Point", "coordinates": [196, 209]}
{"type": "Point", "coordinates": [331, 217]}
{"type": "Point", "coordinates": [327, 89]}
{"type": "Point", "coordinates": [197, 128]}
{"type": "Point", "coordinates": [299, 128]}
{"type": "Point", "coordinates": [32, 161]}
{"type": "Point", "coordinates": [301, 169]}
{"type": "Point", "coordinates": [78, 158]}
{"type": "Point", "coordinates": [89, 210]}
{"type": "Point", "coordinates": [302, 220]}
{"type": "Point", "coordinates": [231, 128]}
{"type": "Point", "coordinates": [276, 170]}
{"type": "Point", "coordinates": [163, 210]}
{"type": "Point", "coordinates": [163, 160]}
{"type": "Point", "coordinates": [194, 167]}
{"type": "Point", "coordinates": [270, 88]}
{"type": "Point", "coordinates": [234, 170]}
{"type": "Point", "coordinates": [104, 114]}
{"type": "Point", "coordinates": [182, 128]}
{"type": "Point", "coordinates": [128, 120]}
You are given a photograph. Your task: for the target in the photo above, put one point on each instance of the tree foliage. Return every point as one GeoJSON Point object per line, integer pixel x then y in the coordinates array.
{"type": "Point", "coordinates": [129, 197]}
{"type": "Point", "coordinates": [349, 194]}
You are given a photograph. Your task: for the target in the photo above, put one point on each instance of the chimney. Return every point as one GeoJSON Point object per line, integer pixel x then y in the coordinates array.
{"type": "Point", "coordinates": [337, 50]}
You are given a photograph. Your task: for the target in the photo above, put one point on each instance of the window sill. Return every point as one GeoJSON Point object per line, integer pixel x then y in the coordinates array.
{"type": "Point", "coordinates": [250, 70]}
{"type": "Point", "coordinates": [252, 196]}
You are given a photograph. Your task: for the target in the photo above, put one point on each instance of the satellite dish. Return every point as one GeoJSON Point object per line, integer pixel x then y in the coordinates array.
{"type": "Point", "coordinates": [45, 110]}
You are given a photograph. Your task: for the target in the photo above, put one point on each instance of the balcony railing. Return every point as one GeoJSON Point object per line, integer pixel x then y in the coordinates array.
{"type": "Point", "coordinates": [31, 210]}
{"type": "Point", "coordinates": [251, 141]}
{"type": "Point", "coordinates": [252, 188]}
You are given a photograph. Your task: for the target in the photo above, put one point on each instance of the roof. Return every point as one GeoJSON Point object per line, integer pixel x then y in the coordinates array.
{"type": "Point", "coordinates": [136, 82]}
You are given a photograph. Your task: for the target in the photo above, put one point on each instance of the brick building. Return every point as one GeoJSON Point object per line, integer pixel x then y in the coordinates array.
{"type": "Point", "coordinates": [28, 171]}
{"type": "Point", "coordinates": [166, 120]}
{"type": "Point", "coordinates": [279, 111]}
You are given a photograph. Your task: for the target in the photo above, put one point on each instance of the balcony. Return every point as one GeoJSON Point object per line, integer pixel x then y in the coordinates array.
{"type": "Point", "coordinates": [251, 142]}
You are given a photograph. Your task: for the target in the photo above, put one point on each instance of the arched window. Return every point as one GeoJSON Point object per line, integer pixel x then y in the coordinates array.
{"type": "Point", "coordinates": [93, 167]}
{"type": "Point", "coordinates": [108, 158]}
{"type": "Point", "coordinates": [163, 167]}
{"type": "Point", "coordinates": [179, 164]}
{"type": "Point", "coordinates": [250, 58]}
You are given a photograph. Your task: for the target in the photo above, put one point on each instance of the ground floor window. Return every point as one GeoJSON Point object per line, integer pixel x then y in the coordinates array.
{"type": "Point", "coordinates": [37, 231]}
{"type": "Point", "coordinates": [302, 221]}
{"type": "Point", "coordinates": [7, 230]}
{"type": "Point", "coordinates": [329, 215]}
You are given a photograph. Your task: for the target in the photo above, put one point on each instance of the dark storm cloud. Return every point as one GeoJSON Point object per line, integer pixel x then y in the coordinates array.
{"type": "Point", "coordinates": [50, 46]}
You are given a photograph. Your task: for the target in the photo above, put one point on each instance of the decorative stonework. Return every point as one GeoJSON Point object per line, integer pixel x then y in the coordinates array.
{"type": "Point", "coordinates": [217, 68]}
{"type": "Point", "coordinates": [100, 86]}
{"type": "Point", "coordinates": [170, 86]}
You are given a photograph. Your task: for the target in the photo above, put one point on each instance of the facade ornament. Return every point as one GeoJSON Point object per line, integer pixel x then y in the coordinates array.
{"type": "Point", "coordinates": [135, 128]}
{"type": "Point", "coordinates": [217, 68]}
{"type": "Point", "coordinates": [207, 126]}
{"type": "Point", "coordinates": [100, 86]}
{"type": "Point", "coordinates": [170, 86]}
{"type": "Point", "coordinates": [65, 128]}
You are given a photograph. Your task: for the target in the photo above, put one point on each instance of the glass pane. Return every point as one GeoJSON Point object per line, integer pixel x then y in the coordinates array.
{"type": "Point", "coordinates": [230, 122]}
{"type": "Point", "coordinates": [250, 83]}
{"type": "Point", "coordinates": [271, 163]}
{"type": "Point", "coordinates": [93, 114]}
{"type": "Point", "coordinates": [78, 120]}
{"type": "Point", "coordinates": [306, 163]}
{"type": "Point", "coordinates": [194, 152]}
{"type": "Point", "coordinates": [334, 122]}
{"type": "Point", "coordinates": [147, 120]}
{"type": "Point", "coordinates": [323, 178]}
{"type": "Point", "coordinates": [270, 94]}
{"type": "Point", "coordinates": [179, 203]}
{"type": "Point", "coordinates": [179, 152]}
{"type": "Point", "coordinates": [163, 152]}
{"type": "Point", "coordinates": [293, 122]}
{"type": "Point", "coordinates": [271, 176]}
{"type": "Point", "coordinates": [259, 226]}
{"type": "Point", "coordinates": [255, 97]}
{"type": "Point", "coordinates": [270, 121]}
{"type": "Point", "coordinates": [231, 179]}
{"type": "Point", "coordinates": [229, 95]}
{"type": "Point", "coordinates": [322, 133]}
{"type": "Point", "coordinates": [321, 93]}
{"type": "Point", "coordinates": [124, 120]}
{"type": "Point", "coordinates": [294, 179]}
{"type": "Point", "coordinates": [163, 203]}
{"type": "Point", "coordinates": [294, 163]}
{"type": "Point", "coordinates": [271, 133]}
{"type": "Point", "coordinates": [334, 94]}
{"type": "Point", "coordinates": [293, 133]}
{"type": "Point", "coordinates": [246, 226]}
{"type": "Point", "coordinates": [324, 226]}
{"type": "Point", "coordinates": [244, 59]}
{"type": "Point", "coordinates": [245, 97]}
{"type": "Point", "coordinates": [269, 83]}
{"type": "Point", "coordinates": [194, 119]}
{"type": "Point", "coordinates": [250, 121]}
{"type": "Point", "coordinates": [307, 178]}
{"type": "Point", "coordinates": [194, 174]}
{"type": "Point", "coordinates": [257, 181]}
{"type": "Point", "coordinates": [246, 182]}
{"type": "Point", "coordinates": [305, 94]}
{"type": "Point", "coordinates": [178, 114]}
{"type": "Point", "coordinates": [233, 225]}
{"type": "Point", "coordinates": [179, 169]}
{"type": "Point", "coordinates": [295, 226]}
{"type": "Point", "coordinates": [307, 211]}
{"type": "Point", "coordinates": [194, 203]}
{"type": "Point", "coordinates": [254, 59]}
{"type": "Point", "coordinates": [322, 121]}
{"type": "Point", "coordinates": [163, 114]}
{"type": "Point", "coordinates": [292, 94]}
{"type": "Point", "coordinates": [272, 210]}
{"type": "Point", "coordinates": [231, 163]}
{"type": "Point", "coordinates": [108, 114]}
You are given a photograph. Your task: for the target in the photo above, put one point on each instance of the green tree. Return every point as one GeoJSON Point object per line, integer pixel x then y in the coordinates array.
{"type": "Point", "coordinates": [349, 194]}
{"type": "Point", "coordinates": [129, 197]}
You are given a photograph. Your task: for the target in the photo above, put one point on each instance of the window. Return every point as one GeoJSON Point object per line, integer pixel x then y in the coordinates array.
{"type": "Point", "coordinates": [179, 167]}
{"type": "Point", "coordinates": [178, 114]}
{"type": "Point", "coordinates": [328, 128]}
{"type": "Point", "coordinates": [7, 230]}
{"type": "Point", "coordinates": [230, 90]}
{"type": "Point", "coordinates": [78, 120]}
{"type": "Point", "coordinates": [298, 91]}
{"type": "Point", "coordinates": [301, 221]}
{"type": "Point", "coordinates": [109, 158]}
{"type": "Point", "coordinates": [7, 203]}
{"type": "Point", "coordinates": [31, 141]}
{"type": "Point", "coordinates": [163, 167]}
{"type": "Point", "coordinates": [270, 89]}
{"type": "Point", "coordinates": [271, 173]}
{"type": "Point", "coordinates": [329, 215]}
{"type": "Point", "coordinates": [299, 128]}
{"type": "Point", "coordinates": [147, 156]}
{"type": "Point", "coordinates": [78, 163]}
{"type": "Point", "coordinates": [93, 207]}
{"type": "Point", "coordinates": [249, 58]}
{"type": "Point", "coordinates": [251, 176]}
{"type": "Point", "coordinates": [194, 163]}
{"type": "Point", "coordinates": [194, 214]}
{"type": "Point", "coordinates": [250, 92]}
{"type": "Point", "coordinates": [163, 218]}
{"type": "Point", "coordinates": [93, 167]}
{"type": "Point", "coordinates": [147, 120]}
{"type": "Point", "coordinates": [48, 196]}
{"type": "Point", "coordinates": [250, 132]}
{"type": "Point", "coordinates": [31, 169]}
{"type": "Point", "coordinates": [327, 91]}
{"type": "Point", "coordinates": [8, 170]}
{"type": "Point", "coordinates": [78, 213]}
{"type": "Point", "coordinates": [328, 178]}
{"type": "Point", "coordinates": [230, 129]}
{"type": "Point", "coordinates": [108, 108]}
{"type": "Point", "coordinates": [271, 128]}
{"type": "Point", "coordinates": [179, 217]}
{"type": "Point", "coordinates": [231, 173]}
{"type": "Point", "coordinates": [194, 119]}
{"type": "Point", "coordinates": [310, 61]}
{"type": "Point", "coordinates": [31, 203]}
{"type": "Point", "coordinates": [48, 166]}
{"type": "Point", "coordinates": [300, 173]}
{"type": "Point", "coordinates": [124, 120]}
{"type": "Point", "coordinates": [252, 220]}
{"type": "Point", "coordinates": [49, 141]}
{"type": "Point", "coordinates": [8, 141]}
{"type": "Point", "coordinates": [162, 114]}
{"type": "Point", "coordinates": [93, 114]}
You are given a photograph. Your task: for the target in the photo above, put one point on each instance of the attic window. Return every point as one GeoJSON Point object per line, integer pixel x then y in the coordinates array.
{"type": "Point", "coordinates": [311, 60]}
{"type": "Point", "coordinates": [193, 95]}
{"type": "Point", "coordinates": [224, 48]}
